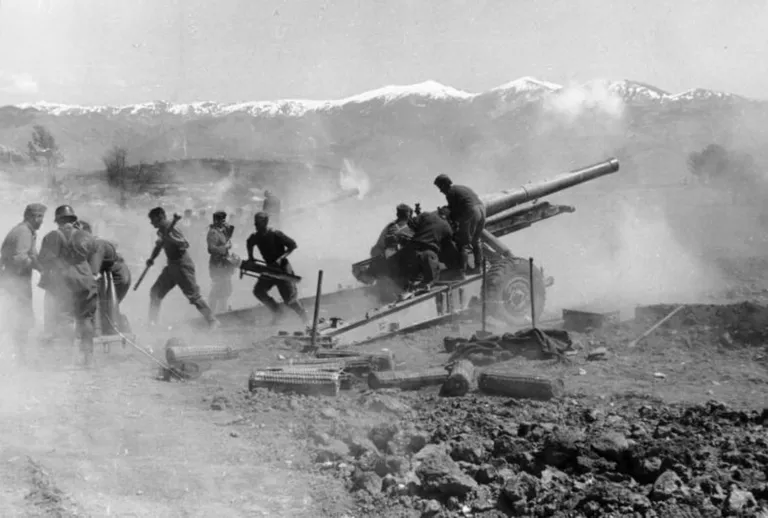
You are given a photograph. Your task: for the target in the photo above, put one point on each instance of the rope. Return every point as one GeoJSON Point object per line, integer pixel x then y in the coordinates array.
{"type": "Point", "coordinates": [144, 351]}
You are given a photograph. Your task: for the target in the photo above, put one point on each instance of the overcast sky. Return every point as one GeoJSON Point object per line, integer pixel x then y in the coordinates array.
{"type": "Point", "coordinates": [121, 52]}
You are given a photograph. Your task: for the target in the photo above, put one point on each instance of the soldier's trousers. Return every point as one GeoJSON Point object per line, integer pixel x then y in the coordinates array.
{"type": "Point", "coordinates": [21, 317]}
{"type": "Point", "coordinates": [221, 286]}
{"type": "Point", "coordinates": [288, 292]}
{"type": "Point", "coordinates": [121, 277]}
{"type": "Point", "coordinates": [179, 273]}
{"type": "Point", "coordinates": [468, 236]}
{"type": "Point", "coordinates": [84, 305]}
{"type": "Point", "coordinates": [57, 313]}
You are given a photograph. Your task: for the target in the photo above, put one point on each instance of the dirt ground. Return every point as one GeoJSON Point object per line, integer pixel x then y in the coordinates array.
{"type": "Point", "coordinates": [116, 441]}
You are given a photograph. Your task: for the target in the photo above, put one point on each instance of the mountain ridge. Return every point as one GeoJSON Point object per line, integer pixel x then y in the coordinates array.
{"type": "Point", "coordinates": [629, 90]}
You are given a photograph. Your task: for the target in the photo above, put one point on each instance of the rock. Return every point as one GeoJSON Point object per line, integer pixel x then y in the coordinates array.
{"type": "Point", "coordinates": [219, 403]}
{"type": "Point", "coordinates": [591, 415]}
{"type": "Point", "coordinates": [412, 483]}
{"type": "Point", "coordinates": [552, 477]}
{"type": "Point", "coordinates": [367, 481]}
{"type": "Point", "coordinates": [482, 500]}
{"type": "Point", "coordinates": [439, 473]}
{"type": "Point", "coordinates": [431, 508]}
{"type": "Point", "coordinates": [522, 487]}
{"type": "Point", "coordinates": [382, 402]}
{"type": "Point", "coordinates": [329, 413]}
{"type": "Point", "coordinates": [382, 434]}
{"type": "Point", "coordinates": [389, 465]}
{"type": "Point", "coordinates": [335, 450]}
{"type": "Point", "coordinates": [668, 485]}
{"type": "Point", "coordinates": [610, 445]}
{"type": "Point", "coordinates": [359, 445]}
{"type": "Point", "coordinates": [469, 449]}
{"type": "Point", "coordinates": [417, 441]}
{"type": "Point", "coordinates": [561, 449]}
{"type": "Point", "coordinates": [739, 501]}
{"type": "Point", "coordinates": [388, 482]}
{"type": "Point", "coordinates": [486, 474]}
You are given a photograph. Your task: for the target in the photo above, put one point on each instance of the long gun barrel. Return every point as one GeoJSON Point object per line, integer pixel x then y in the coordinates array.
{"type": "Point", "coordinates": [512, 198]}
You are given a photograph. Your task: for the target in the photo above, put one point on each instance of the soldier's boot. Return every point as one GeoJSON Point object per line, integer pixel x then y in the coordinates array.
{"type": "Point", "coordinates": [299, 309]}
{"type": "Point", "coordinates": [464, 261]}
{"type": "Point", "coordinates": [213, 322]}
{"type": "Point", "coordinates": [478, 254]}
{"type": "Point", "coordinates": [154, 312]}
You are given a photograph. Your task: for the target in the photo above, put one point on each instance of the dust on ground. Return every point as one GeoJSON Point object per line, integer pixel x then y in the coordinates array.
{"type": "Point", "coordinates": [671, 427]}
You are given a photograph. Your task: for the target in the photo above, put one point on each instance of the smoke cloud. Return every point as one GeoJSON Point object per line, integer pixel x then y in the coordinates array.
{"type": "Point", "coordinates": [595, 97]}
{"type": "Point", "coordinates": [354, 178]}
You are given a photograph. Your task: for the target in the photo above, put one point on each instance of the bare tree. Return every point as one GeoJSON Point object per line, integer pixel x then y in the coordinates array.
{"type": "Point", "coordinates": [116, 163]}
{"type": "Point", "coordinates": [44, 149]}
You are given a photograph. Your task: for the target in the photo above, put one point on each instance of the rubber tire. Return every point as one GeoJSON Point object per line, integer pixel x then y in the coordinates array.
{"type": "Point", "coordinates": [513, 274]}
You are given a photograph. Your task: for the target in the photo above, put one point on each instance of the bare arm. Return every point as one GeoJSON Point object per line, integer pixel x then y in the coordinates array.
{"type": "Point", "coordinates": [217, 244]}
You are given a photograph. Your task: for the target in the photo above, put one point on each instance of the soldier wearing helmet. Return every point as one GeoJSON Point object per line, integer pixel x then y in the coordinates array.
{"type": "Point", "coordinates": [275, 247]}
{"type": "Point", "coordinates": [394, 233]}
{"type": "Point", "coordinates": [221, 264]}
{"type": "Point", "coordinates": [103, 258]}
{"type": "Point", "coordinates": [179, 271]}
{"type": "Point", "coordinates": [18, 257]}
{"type": "Point", "coordinates": [468, 212]}
{"type": "Point", "coordinates": [68, 279]}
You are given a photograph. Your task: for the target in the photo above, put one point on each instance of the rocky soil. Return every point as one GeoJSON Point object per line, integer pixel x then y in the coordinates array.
{"type": "Point", "coordinates": [614, 450]}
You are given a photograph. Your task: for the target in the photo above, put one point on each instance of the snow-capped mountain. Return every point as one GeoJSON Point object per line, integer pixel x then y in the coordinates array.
{"type": "Point", "coordinates": [403, 124]}
{"type": "Point", "coordinates": [522, 90]}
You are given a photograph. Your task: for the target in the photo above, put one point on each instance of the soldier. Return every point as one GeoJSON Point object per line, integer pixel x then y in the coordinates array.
{"type": "Point", "coordinates": [275, 247]}
{"type": "Point", "coordinates": [180, 270]}
{"type": "Point", "coordinates": [70, 275]}
{"type": "Point", "coordinates": [431, 234]}
{"type": "Point", "coordinates": [104, 258]}
{"type": "Point", "coordinates": [272, 207]}
{"type": "Point", "coordinates": [468, 212]}
{"type": "Point", "coordinates": [58, 307]}
{"type": "Point", "coordinates": [18, 257]}
{"type": "Point", "coordinates": [221, 262]}
{"type": "Point", "coordinates": [386, 245]}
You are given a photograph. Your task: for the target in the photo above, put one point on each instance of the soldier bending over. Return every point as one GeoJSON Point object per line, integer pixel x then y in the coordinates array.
{"type": "Point", "coordinates": [468, 212]}
{"type": "Point", "coordinates": [431, 234]}
{"type": "Point", "coordinates": [275, 247]}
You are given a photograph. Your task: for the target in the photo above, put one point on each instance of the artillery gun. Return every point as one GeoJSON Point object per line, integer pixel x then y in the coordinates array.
{"type": "Point", "coordinates": [508, 289]}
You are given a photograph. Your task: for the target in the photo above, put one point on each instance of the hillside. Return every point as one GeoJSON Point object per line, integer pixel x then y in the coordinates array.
{"type": "Point", "coordinates": [519, 128]}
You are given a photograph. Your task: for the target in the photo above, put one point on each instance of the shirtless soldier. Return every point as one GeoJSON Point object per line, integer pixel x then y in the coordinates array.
{"type": "Point", "coordinates": [275, 247]}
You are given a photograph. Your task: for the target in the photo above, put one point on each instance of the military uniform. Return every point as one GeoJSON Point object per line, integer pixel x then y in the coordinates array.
{"type": "Point", "coordinates": [220, 266]}
{"type": "Point", "coordinates": [104, 258]}
{"type": "Point", "coordinates": [58, 307]}
{"type": "Point", "coordinates": [180, 271]}
{"type": "Point", "coordinates": [272, 244]}
{"type": "Point", "coordinates": [469, 214]}
{"type": "Point", "coordinates": [68, 278]}
{"type": "Point", "coordinates": [18, 257]}
{"type": "Point", "coordinates": [431, 234]}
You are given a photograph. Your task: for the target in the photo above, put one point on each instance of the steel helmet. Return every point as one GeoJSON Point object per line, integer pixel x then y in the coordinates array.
{"type": "Point", "coordinates": [64, 211]}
